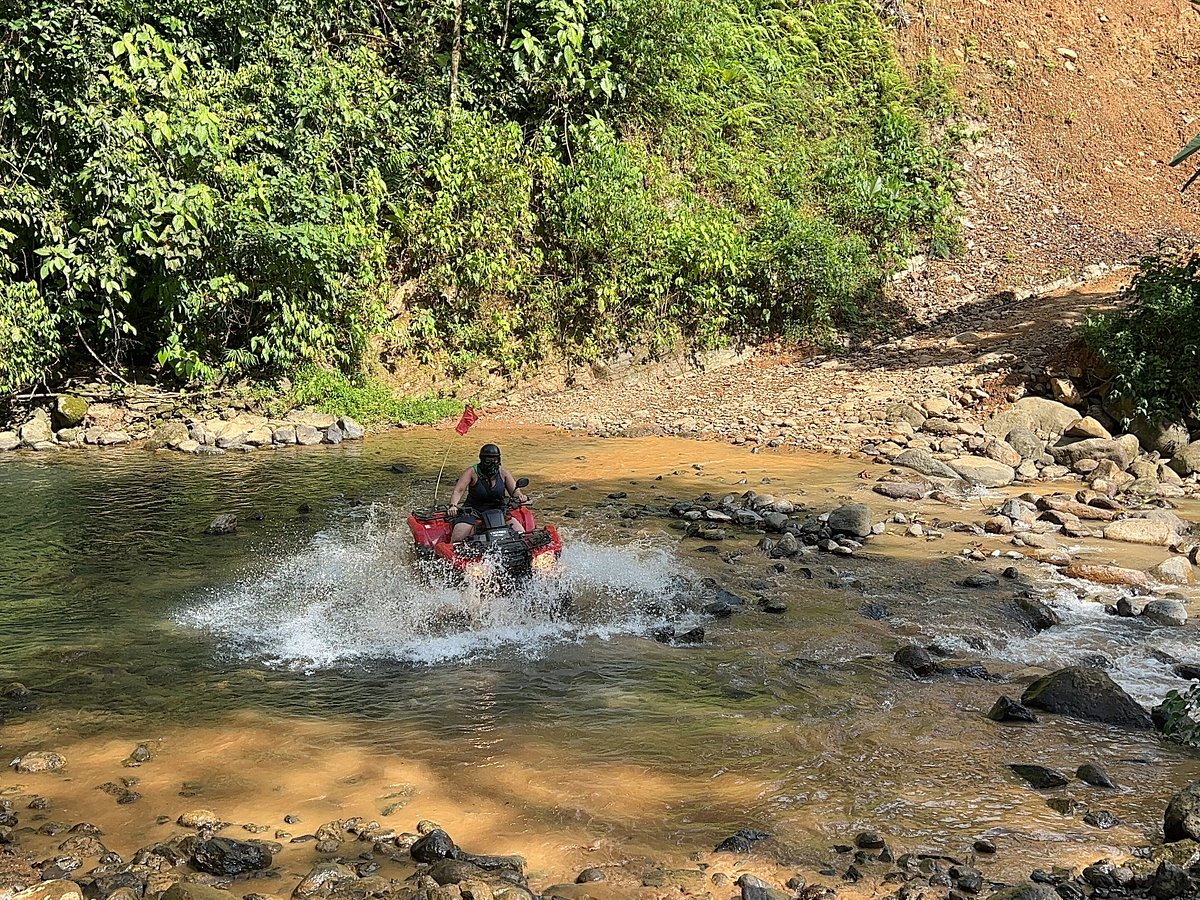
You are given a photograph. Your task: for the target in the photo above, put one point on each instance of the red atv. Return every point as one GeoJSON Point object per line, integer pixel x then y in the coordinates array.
{"type": "Point", "coordinates": [495, 549]}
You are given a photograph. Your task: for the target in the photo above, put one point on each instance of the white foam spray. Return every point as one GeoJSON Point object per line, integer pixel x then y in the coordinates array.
{"type": "Point", "coordinates": [357, 596]}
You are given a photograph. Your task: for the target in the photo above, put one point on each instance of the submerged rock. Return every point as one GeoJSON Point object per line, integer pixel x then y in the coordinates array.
{"type": "Point", "coordinates": [226, 523]}
{"type": "Point", "coordinates": [741, 841]}
{"type": "Point", "coordinates": [1086, 694]}
{"type": "Point", "coordinates": [1092, 774]}
{"type": "Point", "coordinates": [1006, 709]}
{"type": "Point", "coordinates": [1039, 777]}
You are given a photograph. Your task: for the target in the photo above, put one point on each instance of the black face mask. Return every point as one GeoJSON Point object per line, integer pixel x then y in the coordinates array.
{"type": "Point", "coordinates": [489, 465]}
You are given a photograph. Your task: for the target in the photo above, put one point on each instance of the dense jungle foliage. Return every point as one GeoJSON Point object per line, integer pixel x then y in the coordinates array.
{"type": "Point", "coordinates": [213, 187]}
{"type": "Point", "coordinates": [1151, 348]}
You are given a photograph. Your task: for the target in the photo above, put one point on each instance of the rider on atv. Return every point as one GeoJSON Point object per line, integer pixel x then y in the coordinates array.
{"type": "Point", "coordinates": [485, 486]}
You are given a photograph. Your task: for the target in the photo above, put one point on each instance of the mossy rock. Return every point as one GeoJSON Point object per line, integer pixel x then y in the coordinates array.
{"type": "Point", "coordinates": [69, 411]}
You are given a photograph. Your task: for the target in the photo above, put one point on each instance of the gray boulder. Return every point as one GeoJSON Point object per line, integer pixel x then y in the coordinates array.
{"type": "Point", "coordinates": [37, 430]}
{"type": "Point", "coordinates": [986, 472]}
{"type": "Point", "coordinates": [1029, 891]}
{"type": "Point", "coordinates": [1086, 694]}
{"type": "Point", "coordinates": [351, 430]}
{"type": "Point", "coordinates": [924, 462]}
{"type": "Point", "coordinates": [1122, 450]}
{"type": "Point", "coordinates": [1166, 612]}
{"type": "Point", "coordinates": [853, 519]}
{"type": "Point", "coordinates": [1025, 442]}
{"type": "Point", "coordinates": [1154, 532]}
{"type": "Point", "coordinates": [1046, 418]}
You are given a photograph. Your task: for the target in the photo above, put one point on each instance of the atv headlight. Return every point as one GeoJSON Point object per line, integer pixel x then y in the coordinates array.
{"type": "Point", "coordinates": [544, 562]}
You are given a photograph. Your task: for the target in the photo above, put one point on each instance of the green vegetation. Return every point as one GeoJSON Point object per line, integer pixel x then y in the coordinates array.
{"type": "Point", "coordinates": [241, 186]}
{"type": "Point", "coordinates": [1152, 348]}
{"type": "Point", "coordinates": [362, 398]}
{"type": "Point", "coordinates": [1181, 716]}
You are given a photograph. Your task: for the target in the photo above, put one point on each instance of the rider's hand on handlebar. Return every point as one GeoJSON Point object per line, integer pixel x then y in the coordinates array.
{"type": "Point", "coordinates": [452, 510]}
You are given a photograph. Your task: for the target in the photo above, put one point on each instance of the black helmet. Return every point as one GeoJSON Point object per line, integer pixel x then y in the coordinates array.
{"type": "Point", "coordinates": [489, 459]}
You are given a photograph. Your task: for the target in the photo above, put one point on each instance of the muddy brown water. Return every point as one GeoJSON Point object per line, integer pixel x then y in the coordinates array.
{"type": "Point", "coordinates": [292, 668]}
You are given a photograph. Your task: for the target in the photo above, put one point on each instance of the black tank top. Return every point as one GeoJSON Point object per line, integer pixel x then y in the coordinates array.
{"type": "Point", "coordinates": [483, 495]}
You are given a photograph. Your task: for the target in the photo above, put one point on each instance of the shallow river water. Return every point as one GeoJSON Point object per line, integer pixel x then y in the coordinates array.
{"type": "Point", "coordinates": [302, 666]}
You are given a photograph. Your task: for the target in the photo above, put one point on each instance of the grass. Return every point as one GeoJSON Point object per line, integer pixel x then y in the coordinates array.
{"type": "Point", "coordinates": [365, 399]}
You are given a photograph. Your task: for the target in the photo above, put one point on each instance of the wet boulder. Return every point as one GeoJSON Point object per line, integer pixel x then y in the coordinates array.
{"type": "Point", "coordinates": [1086, 694]}
{"type": "Point", "coordinates": [589, 875]}
{"type": "Point", "coordinates": [741, 841]}
{"type": "Point", "coordinates": [1171, 613]}
{"type": "Point", "coordinates": [756, 889]}
{"type": "Point", "coordinates": [226, 523]}
{"type": "Point", "coordinates": [226, 856]}
{"type": "Point", "coordinates": [1005, 709]}
{"type": "Point", "coordinates": [433, 846]}
{"type": "Point", "coordinates": [1040, 615]}
{"type": "Point", "coordinates": [322, 880]}
{"type": "Point", "coordinates": [115, 884]}
{"type": "Point", "coordinates": [1092, 774]}
{"type": "Point", "coordinates": [1181, 821]}
{"type": "Point", "coordinates": [917, 660]}
{"type": "Point", "coordinates": [456, 871]}
{"type": "Point", "coordinates": [986, 472]}
{"type": "Point", "coordinates": [190, 890]}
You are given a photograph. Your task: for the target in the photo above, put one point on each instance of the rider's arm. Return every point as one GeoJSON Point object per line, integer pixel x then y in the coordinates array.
{"type": "Point", "coordinates": [510, 484]}
{"type": "Point", "coordinates": [460, 490]}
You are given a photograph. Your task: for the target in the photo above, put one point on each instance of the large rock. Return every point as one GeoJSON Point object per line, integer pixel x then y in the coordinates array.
{"type": "Point", "coordinates": [986, 472]}
{"type": "Point", "coordinates": [351, 430]}
{"type": "Point", "coordinates": [9, 440]}
{"type": "Point", "coordinates": [37, 430]}
{"type": "Point", "coordinates": [1122, 450]}
{"type": "Point", "coordinates": [167, 434]}
{"type": "Point", "coordinates": [189, 890]}
{"type": "Point", "coordinates": [69, 411]}
{"type": "Point", "coordinates": [1168, 438]}
{"type": "Point", "coordinates": [307, 435]}
{"type": "Point", "coordinates": [924, 462]}
{"type": "Point", "coordinates": [322, 880]}
{"type": "Point", "coordinates": [1182, 818]}
{"type": "Point", "coordinates": [1029, 891]}
{"type": "Point", "coordinates": [433, 846]}
{"type": "Point", "coordinates": [1087, 427]}
{"type": "Point", "coordinates": [199, 818]}
{"type": "Point", "coordinates": [1102, 574]}
{"type": "Point", "coordinates": [39, 761]}
{"type": "Point", "coordinates": [1173, 570]}
{"type": "Point", "coordinates": [1166, 612]}
{"type": "Point", "coordinates": [1155, 532]}
{"type": "Point", "coordinates": [1002, 452]}
{"type": "Point", "coordinates": [1047, 419]}
{"type": "Point", "coordinates": [1086, 694]}
{"type": "Point", "coordinates": [226, 856]}
{"type": "Point", "coordinates": [58, 889]}
{"type": "Point", "coordinates": [1025, 442]}
{"type": "Point", "coordinates": [853, 519]}
{"type": "Point", "coordinates": [1187, 460]}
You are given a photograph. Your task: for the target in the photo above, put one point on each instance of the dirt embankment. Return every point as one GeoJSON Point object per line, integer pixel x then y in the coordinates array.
{"type": "Point", "coordinates": [1074, 110]}
{"type": "Point", "coordinates": [1077, 108]}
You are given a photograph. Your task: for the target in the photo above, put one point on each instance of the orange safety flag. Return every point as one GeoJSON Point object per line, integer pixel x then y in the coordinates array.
{"type": "Point", "coordinates": [469, 418]}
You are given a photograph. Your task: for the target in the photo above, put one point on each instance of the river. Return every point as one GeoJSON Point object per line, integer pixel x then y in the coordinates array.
{"type": "Point", "coordinates": [302, 666]}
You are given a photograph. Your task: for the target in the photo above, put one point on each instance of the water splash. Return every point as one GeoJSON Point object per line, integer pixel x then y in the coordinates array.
{"type": "Point", "coordinates": [356, 596]}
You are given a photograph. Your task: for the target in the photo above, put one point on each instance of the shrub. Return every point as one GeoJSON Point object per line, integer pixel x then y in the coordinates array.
{"type": "Point", "coordinates": [29, 341]}
{"type": "Point", "coordinates": [1152, 347]}
{"type": "Point", "coordinates": [365, 399]}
